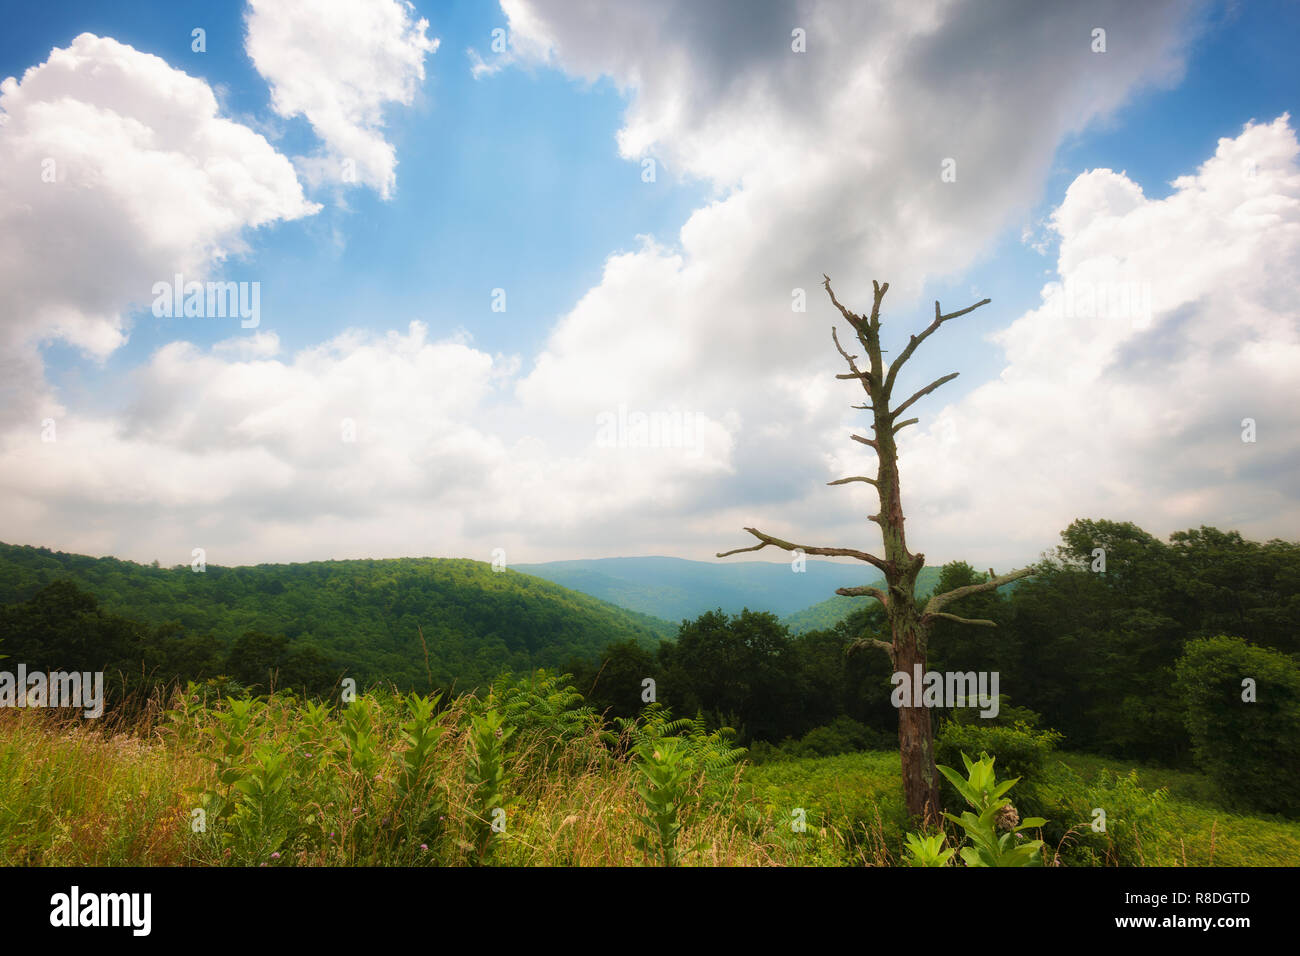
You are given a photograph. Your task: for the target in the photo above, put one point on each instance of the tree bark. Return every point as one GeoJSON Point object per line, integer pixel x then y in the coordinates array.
{"type": "Point", "coordinates": [915, 731]}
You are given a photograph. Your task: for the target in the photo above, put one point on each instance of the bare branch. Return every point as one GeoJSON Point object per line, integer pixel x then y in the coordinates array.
{"type": "Point", "coordinates": [923, 392]}
{"type": "Point", "coordinates": [939, 601]}
{"type": "Point", "coordinates": [853, 319]}
{"type": "Point", "coordinates": [926, 618]}
{"type": "Point", "coordinates": [901, 425]}
{"type": "Point", "coordinates": [865, 590]}
{"type": "Point", "coordinates": [916, 340]}
{"type": "Point", "coordinates": [857, 372]}
{"type": "Point", "coordinates": [862, 642]}
{"type": "Point", "coordinates": [879, 291]}
{"type": "Point", "coordinates": [864, 376]}
{"type": "Point", "coordinates": [866, 441]}
{"type": "Point", "coordinates": [845, 481]}
{"type": "Point", "coordinates": [766, 539]}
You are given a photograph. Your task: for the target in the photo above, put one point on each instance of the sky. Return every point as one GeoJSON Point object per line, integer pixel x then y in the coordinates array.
{"type": "Point", "coordinates": [542, 279]}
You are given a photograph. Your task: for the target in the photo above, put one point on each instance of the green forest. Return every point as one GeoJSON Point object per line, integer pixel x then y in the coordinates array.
{"type": "Point", "coordinates": [1159, 687]}
{"type": "Point", "coordinates": [1143, 660]}
{"type": "Point", "coordinates": [415, 623]}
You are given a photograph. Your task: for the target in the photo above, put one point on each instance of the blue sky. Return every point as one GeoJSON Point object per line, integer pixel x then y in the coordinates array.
{"type": "Point", "coordinates": [513, 183]}
{"type": "Point", "coordinates": [515, 179]}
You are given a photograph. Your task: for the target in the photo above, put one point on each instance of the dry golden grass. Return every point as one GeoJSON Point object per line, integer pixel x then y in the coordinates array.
{"type": "Point", "coordinates": [74, 793]}
{"type": "Point", "coordinates": [123, 794]}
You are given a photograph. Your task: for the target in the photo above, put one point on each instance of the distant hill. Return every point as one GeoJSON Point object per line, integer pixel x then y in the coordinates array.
{"type": "Point", "coordinates": [826, 614]}
{"type": "Point", "coordinates": [365, 614]}
{"type": "Point", "coordinates": [675, 588]}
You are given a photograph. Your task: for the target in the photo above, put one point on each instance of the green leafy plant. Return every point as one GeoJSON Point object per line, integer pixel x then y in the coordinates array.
{"type": "Point", "coordinates": [1020, 748]}
{"type": "Point", "coordinates": [360, 741]}
{"type": "Point", "coordinates": [261, 821]}
{"type": "Point", "coordinates": [547, 713]}
{"type": "Point", "coordinates": [1133, 815]}
{"type": "Point", "coordinates": [928, 850]}
{"type": "Point", "coordinates": [420, 733]}
{"type": "Point", "coordinates": [486, 773]}
{"type": "Point", "coordinates": [668, 771]}
{"type": "Point", "coordinates": [419, 808]}
{"type": "Point", "coordinates": [710, 750]}
{"type": "Point", "coordinates": [994, 830]}
{"type": "Point", "coordinates": [233, 732]}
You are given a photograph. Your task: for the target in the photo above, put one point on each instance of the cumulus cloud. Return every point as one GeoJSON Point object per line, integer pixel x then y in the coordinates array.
{"type": "Point", "coordinates": [368, 443]}
{"type": "Point", "coordinates": [1170, 322]}
{"type": "Point", "coordinates": [339, 63]}
{"type": "Point", "coordinates": [827, 160]}
{"type": "Point", "coordinates": [116, 172]}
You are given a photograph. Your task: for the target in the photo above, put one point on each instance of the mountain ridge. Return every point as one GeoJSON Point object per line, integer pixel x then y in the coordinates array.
{"type": "Point", "coordinates": [379, 618]}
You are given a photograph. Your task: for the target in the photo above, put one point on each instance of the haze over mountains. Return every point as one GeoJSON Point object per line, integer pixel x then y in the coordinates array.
{"type": "Point", "coordinates": [412, 621]}
{"type": "Point", "coordinates": [675, 588]}
{"type": "Point", "coordinates": [409, 621]}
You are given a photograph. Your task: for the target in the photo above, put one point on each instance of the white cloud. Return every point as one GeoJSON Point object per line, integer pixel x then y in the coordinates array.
{"type": "Point", "coordinates": [365, 444]}
{"type": "Point", "coordinates": [830, 161]}
{"type": "Point", "coordinates": [823, 161]}
{"type": "Point", "coordinates": [1109, 409]}
{"type": "Point", "coordinates": [339, 63]}
{"type": "Point", "coordinates": [116, 172]}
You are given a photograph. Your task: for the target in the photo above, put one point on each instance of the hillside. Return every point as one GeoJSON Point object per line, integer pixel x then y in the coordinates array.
{"type": "Point", "coordinates": [826, 614]}
{"type": "Point", "coordinates": [364, 614]}
{"type": "Point", "coordinates": [674, 588]}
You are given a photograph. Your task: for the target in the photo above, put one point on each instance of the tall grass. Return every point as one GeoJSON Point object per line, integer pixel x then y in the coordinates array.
{"type": "Point", "coordinates": [196, 778]}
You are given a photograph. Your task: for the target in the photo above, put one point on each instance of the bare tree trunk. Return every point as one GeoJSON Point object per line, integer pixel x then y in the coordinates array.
{"type": "Point", "coordinates": [915, 732]}
{"type": "Point", "coordinates": [909, 624]}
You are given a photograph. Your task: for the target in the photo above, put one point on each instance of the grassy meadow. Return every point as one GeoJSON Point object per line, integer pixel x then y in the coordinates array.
{"type": "Point", "coordinates": [527, 776]}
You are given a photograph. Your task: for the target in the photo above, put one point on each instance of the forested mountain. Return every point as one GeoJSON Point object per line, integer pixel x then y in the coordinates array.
{"type": "Point", "coordinates": [362, 616]}
{"type": "Point", "coordinates": [674, 588]}
{"type": "Point", "coordinates": [1095, 653]}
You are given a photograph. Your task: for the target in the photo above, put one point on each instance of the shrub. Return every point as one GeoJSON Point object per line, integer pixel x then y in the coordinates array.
{"type": "Point", "coordinates": [843, 735]}
{"type": "Point", "coordinates": [1086, 838]}
{"type": "Point", "coordinates": [1249, 748]}
{"type": "Point", "coordinates": [1021, 750]}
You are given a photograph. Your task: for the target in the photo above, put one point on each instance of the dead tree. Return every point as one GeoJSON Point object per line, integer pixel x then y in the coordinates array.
{"type": "Point", "coordinates": [909, 624]}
